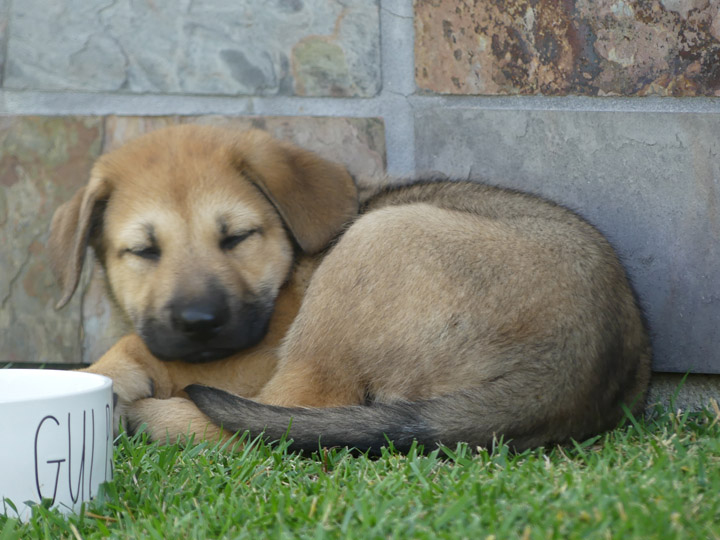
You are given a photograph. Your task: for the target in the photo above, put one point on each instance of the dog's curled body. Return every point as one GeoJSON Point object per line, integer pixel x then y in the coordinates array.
{"type": "Point", "coordinates": [440, 312]}
{"type": "Point", "coordinates": [492, 314]}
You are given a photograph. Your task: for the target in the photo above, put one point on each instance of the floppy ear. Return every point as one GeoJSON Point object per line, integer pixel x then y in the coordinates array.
{"type": "Point", "coordinates": [70, 233]}
{"type": "Point", "coordinates": [314, 197]}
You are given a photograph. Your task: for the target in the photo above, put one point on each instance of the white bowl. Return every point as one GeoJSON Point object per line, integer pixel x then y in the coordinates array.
{"type": "Point", "coordinates": [56, 438]}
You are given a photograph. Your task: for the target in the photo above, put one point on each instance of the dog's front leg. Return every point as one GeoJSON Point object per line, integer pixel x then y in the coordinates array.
{"type": "Point", "coordinates": [171, 420]}
{"type": "Point", "coordinates": [135, 372]}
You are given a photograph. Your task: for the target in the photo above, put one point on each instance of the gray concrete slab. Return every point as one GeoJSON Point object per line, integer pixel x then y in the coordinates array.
{"type": "Point", "coordinates": [650, 182]}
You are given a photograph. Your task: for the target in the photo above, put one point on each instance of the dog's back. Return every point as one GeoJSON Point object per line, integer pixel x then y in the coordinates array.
{"type": "Point", "coordinates": [455, 311]}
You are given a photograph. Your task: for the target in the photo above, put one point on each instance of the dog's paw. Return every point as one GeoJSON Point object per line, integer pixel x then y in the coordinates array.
{"type": "Point", "coordinates": [123, 398]}
{"type": "Point", "coordinates": [124, 394]}
{"type": "Point", "coordinates": [171, 420]}
{"type": "Point", "coordinates": [129, 385]}
{"type": "Point", "coordinates": [131, 380]}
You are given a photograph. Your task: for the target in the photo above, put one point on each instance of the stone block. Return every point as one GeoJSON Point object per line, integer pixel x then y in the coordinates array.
{"type": "Point", "coordinates": [586, 47]}
{"type": "Point", "coordinates": [228, 47]}
{"type": "Point", "coordinates": [3, 34]}
{"type": "Point", "coordinates": [650, 182]}
{"type": "Point", "coordinates": [357, 143]}
{"type": "Point", "coordinates": [43, 161]}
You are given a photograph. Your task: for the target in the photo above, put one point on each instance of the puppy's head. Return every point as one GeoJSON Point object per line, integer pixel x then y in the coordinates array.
{"type": "Point", "coordinates": [195, 227]}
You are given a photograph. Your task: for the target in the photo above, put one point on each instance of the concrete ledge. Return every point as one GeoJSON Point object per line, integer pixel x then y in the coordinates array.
{"type": "Point", "coordinates": [694, 393]}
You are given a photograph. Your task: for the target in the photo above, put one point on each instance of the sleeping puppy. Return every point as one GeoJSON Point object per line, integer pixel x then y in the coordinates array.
{"type": "Point", "coordinates": [264, 295]}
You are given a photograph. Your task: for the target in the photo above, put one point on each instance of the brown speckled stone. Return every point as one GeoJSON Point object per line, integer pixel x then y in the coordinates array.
{"type": "Point", "coordinates": [42, 162]}
{"type": "Point", "coordinates": [586, 47]}
{"type": "Point", "coordinates": [357, 143]}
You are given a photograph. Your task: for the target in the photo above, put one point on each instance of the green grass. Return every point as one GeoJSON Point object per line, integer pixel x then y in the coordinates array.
{"type": "Point", "coordinates": [653, 479]}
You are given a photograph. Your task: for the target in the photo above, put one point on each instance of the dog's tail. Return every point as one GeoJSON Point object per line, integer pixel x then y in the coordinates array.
{"type": "Point", "coordinates": [446, 420]}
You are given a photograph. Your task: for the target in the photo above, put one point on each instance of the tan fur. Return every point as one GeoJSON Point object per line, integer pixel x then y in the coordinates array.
{"type": "Point", "coordinates": [460, 310]}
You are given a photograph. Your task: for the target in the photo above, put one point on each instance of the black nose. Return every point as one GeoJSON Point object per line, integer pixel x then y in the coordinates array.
{"type": "Point", "coordinates": [200, 319]}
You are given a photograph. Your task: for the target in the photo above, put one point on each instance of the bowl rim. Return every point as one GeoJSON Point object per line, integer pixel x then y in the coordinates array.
{"type": "Point", "coordinates": [104, 383]}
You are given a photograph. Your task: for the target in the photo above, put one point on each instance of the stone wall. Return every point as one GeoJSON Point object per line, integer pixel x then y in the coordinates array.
{"type": "Point", "coordinates": [584, 47]}
{"type": "Point", "coordinates": [609, 107]}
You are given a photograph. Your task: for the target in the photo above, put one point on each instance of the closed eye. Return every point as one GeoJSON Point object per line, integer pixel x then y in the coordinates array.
{"type": "Point", "coordinates": [151, 253]}
{"type": "Point", "coordinates": [231, 241]}
{"type": "Point", "coordinates": [148, 248]}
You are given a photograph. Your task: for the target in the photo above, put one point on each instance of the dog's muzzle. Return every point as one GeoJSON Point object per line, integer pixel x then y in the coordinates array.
{"type": "Point", "coordinates": [207, 328]}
